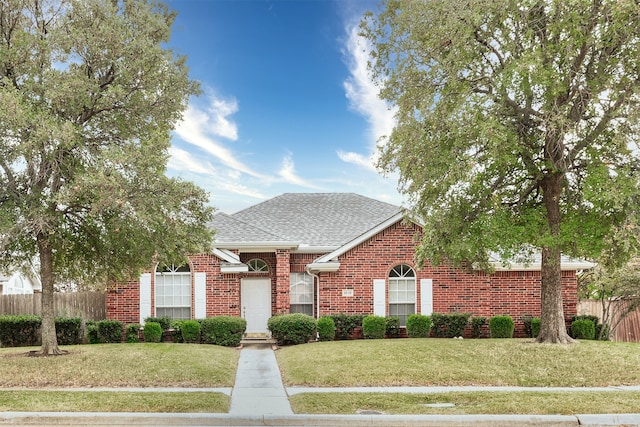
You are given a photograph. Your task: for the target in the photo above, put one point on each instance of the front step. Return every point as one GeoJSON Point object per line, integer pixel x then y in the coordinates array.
{"type": "Point", "coordinates": [257, 342]}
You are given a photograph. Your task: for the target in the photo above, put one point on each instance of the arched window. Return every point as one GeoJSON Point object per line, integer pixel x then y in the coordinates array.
{"type": "Point", "coordinates": [257, 265]}
{"type": "Point", "coordinates": [173, 292]}
{"type": "Point", "coordinates": [402, 292]}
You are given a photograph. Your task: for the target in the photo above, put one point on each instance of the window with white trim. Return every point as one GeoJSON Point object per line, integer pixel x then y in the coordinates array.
{"type": "Point", "coordinates": [257, 265]}
{"type": "Point", "coordinates": [402, 292]}
{"type": "Point", "coordinates": [173, 292]}
{"type": "Point", "coordinates": [301, 293]}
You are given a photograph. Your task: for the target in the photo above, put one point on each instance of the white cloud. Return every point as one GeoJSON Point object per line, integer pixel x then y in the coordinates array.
{"type": "Point", "coordinates": [199, 127]}
{"type": "Point", "coordinates": [220, 125]}
{"type": "Point", "coordinates": [288, 173]}
{"type": "Point", "coordinates": [363, 98]}
{"type": "Point", "coordinates": [181, 160]}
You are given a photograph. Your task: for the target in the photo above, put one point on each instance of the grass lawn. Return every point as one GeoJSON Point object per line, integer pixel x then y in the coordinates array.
{"type": "Point", "coordinates": [102, 401]}
{"type": "Point", "coordinates": [121, 365]}
{"type": "Point", "coordinates": [118, 365]}
{"type": "Point", "coordinates": [443, 362]}
{"type": "Point", "coordinates": [543, 403]}
{"type": "Point", "coordinates": [447, 362]}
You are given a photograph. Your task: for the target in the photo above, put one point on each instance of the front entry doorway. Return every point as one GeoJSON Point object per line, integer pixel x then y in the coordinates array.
{"type": "Point", "coordinates": [255, 295]}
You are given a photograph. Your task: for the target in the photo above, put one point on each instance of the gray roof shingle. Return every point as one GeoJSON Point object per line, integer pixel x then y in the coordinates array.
{"type": "Point", "coordinates": [313, 219]}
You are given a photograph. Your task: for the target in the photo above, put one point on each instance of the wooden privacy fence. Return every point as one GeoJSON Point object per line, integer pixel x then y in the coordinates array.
{"type": "Point", "coordinates": [87, 305]}
{"type": "Point", "coordinates": [629, 328]}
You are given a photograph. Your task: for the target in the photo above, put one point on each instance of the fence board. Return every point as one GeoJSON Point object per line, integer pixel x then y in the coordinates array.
{"type": "Point", "coordinates": [87, 305]}
{"type": "Point", "coordinates": [629, 328]}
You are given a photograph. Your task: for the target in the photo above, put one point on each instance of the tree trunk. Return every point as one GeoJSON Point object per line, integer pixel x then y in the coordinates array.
{"type": "Point", "coordinates": [552, 325]}
{"type": "Point", "coordinates": [48, 329]}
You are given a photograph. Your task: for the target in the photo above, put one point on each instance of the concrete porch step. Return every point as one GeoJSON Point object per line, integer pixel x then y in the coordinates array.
{"type": "Point", "coordinates": [257, 342]}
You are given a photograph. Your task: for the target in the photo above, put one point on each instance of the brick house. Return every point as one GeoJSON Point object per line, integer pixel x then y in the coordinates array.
{"type": "Point", "coordinates": [327, 253]}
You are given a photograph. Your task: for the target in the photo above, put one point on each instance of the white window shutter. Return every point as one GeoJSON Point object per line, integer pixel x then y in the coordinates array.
{"type": "Point", "coordinates": [145, 296]}
{"type": "Point", "coordinates": [426, 296]}
{"type": "Point", "coordinates": [380, 297]}
{"type": "Point", "coordinates": [200, 295]}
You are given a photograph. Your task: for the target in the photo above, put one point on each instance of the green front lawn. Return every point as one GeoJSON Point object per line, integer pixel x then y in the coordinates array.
{"type": "Point", "coordinates": [447, 362]}
{"type": "Point", "coordinates": [121, 365]}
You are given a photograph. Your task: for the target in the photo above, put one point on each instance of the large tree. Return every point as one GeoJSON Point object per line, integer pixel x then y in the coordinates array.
{"type": "Point", "coordinates": [89, 93]}
{"type": "Point", "coordinates": [517, 126]}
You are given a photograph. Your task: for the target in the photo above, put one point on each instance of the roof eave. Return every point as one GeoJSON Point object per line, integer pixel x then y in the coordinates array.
{"type": "Point", "coordinates": [323, 267]}
{"type": "Point", "coordinates": [258, 246]}
{"type": "Point", "coordinates": [567, 266]}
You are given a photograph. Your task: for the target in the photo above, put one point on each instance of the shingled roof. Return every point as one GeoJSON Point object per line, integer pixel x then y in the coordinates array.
{"type": "Point", "coordinates": [326, 220]}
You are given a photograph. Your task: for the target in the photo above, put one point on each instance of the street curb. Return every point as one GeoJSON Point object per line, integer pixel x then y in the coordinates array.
{"type": "Point", "coordinates": [157, 419]}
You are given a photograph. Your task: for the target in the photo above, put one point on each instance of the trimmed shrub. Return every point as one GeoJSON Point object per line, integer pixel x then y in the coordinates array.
{"type": "Point", "coordinates": [535, 327]}
{"type": "Point", "coordinates": [18, 331]}
{"type": "Point", "coordinates": [418, 326]}
{"type": "Point", "coordinates": [326, 328]}
{"type": "Point", "coordinates": [190, 331]}
{"type": "Point", "coordinates": [110, 331]}
{"type": "Point", "coordinates": [449, 325]}
{"type": "Point", "coordinates": [373, 327]}
{"type": "Point", "coordinates": [293, 329]}
{"type": "Point", "coordinates": [223, 330]}
{"type": "Point", "coordinates": [477, 323]}
{"type": "Point", "coordinates": [345, 324]}
{"type": "Point", "coordinates": [596, 323]}
{"type": "Point", "coordinates": [132, 333]}
{"type": "Point", "coordinates": [501, 327]}
{"type": "Point", "coordinates": [92, 332]}
{"type": "Point", "coordinates": [152, 332]}
{"type": "Point", "coordinates": [164, 321]}
{"type": "Point", "coordinates": [583, 329]}
{"type": "Point", "coordinates": [392, 327]}
{"type": "Point", "coordinates": [69, 330]}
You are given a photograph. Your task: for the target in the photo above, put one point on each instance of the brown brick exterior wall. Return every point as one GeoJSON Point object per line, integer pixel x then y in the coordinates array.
{"type": "Point", "coordinates": [516, 293]}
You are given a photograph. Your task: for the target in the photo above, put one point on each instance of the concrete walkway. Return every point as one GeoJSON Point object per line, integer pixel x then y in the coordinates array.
{"type": "Point", "coordinates": [258, 388]}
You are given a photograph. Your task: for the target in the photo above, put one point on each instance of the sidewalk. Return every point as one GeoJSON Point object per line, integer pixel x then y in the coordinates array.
{"type": "Point", "coordinates": [259, 398]}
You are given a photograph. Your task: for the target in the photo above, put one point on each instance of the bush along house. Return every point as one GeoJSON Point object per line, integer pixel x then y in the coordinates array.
{"type": "Point", "coordinates": [325, 254]}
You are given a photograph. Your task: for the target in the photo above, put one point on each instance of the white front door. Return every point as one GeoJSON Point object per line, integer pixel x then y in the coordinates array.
{"type": "Point", "coordinates": [255, 295]}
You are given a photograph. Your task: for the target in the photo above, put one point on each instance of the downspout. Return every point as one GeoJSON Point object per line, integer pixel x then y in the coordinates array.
{"type": "Point", "coordinates": [317, 280]}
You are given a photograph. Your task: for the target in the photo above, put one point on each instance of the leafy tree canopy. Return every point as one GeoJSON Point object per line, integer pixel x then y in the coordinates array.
{"type": "Point", "coordinates": [517, 124]}
{"type": "Point", "coordinates": [89, 94]}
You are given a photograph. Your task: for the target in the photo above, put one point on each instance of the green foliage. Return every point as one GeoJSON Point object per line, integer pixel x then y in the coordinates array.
{"type": "Point", "coordinates": [583, 329]}
{"type": "Point", "coordinates": [506, 131]}
{"type": "Point", "coordinates": [392, 327]}
{"type": "Point", "coordinates": [293, 329]}
{"type": "Point", "coordinates": [86, 129]}
{"type": "Point", "coordinates": [164, 321]}
{"type": "Point", "coordinates": [223, 330]}
{"type": "Point", "coordinates": [373, 327]}
{"type": "Point", "coordinates": [326, 328]}
{"type": "Point", "coordinates": [92, 332]}
{"type": "Point", "coordinates": [69, 330]}
{"type": "Point", "coordinates": [152, 332]}
{"type": "Point", "coordinates": [526, 321]}
{"type": "Point", "coordinates": [346, 323]}
{"type": "Point", "coordinates": [110, 331]}
{"type": "Point", "coordinates": [132, 333]}
{"type": "Point", "coordinates": [418, 326]}
{"type": "Point", "coordinates": [535, 327]}
{"type": "Point", "coordinates": [19, 331]}
{"type": "Point", "coordinates": [477, 323]}
{"type": "Point", "coordinates": [449, 325]}
{"type": "Point", "coordinates": [501, 327]}
{"type": "Point", "coordinates": [190, 331]}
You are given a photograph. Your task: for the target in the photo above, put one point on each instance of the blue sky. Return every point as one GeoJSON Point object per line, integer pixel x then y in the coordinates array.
{"type": "Point", "coordinates": [287, 105]}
